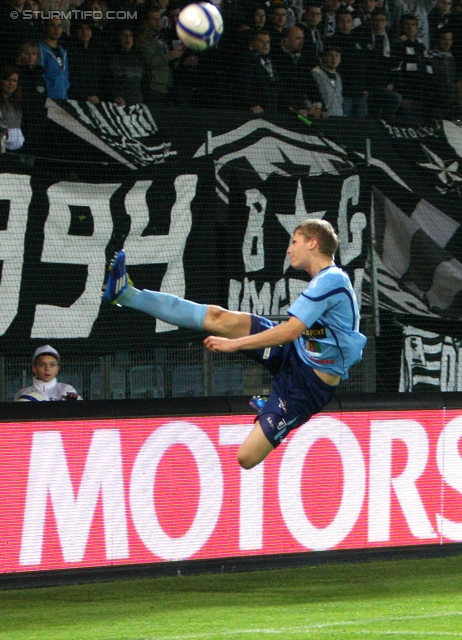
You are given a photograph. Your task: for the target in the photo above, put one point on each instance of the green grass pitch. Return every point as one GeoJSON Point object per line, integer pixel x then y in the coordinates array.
{"type": "Point", "coordinates": [385, 599]}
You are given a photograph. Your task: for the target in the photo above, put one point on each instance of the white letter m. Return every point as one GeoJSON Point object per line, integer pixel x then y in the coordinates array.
{"type": "Point", "coordinates": [49, 474]}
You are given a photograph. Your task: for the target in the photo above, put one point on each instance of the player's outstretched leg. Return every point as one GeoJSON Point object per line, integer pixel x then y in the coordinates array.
{"type": "Point", "coordinates": [170, 308]}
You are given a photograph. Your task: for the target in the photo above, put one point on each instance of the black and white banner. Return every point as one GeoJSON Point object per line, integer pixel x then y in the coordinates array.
{"type": "Point", "coordinates": [213, 223]}
{"type": "Point", "coordinates": [57, 239]}
{"type": "Point", "coordinates": [430, 361]}
{"type": "Point", "coordinates": [272, 179]}
{"type": "Point", "coordinates": [128, 134]}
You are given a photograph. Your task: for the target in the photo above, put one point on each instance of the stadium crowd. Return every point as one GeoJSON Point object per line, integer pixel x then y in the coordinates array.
{"type": "Point", "coordinates": [348, 58]}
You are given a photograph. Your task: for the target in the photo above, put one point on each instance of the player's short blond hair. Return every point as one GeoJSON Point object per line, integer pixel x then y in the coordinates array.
{"type": "Point", "coordinates": [323, 231]}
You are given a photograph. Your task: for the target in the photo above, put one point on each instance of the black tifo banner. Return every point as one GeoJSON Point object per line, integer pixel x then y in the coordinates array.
{"type": "Point", "coordinates": [213, 221]}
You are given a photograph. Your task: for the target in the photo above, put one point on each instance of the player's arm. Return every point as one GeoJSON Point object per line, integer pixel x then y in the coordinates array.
{"type": "Point", "coordinates": [280, 334]}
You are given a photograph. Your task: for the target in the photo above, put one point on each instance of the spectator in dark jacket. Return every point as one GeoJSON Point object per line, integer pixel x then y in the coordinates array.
{"type": "Point", "coordinates": [277, 19]}
{"type": "Point", "coordinates": [412, 71]}
{"type": "Point", "coordinates": [297, 88]}
{"type": "Point", "coordinates": [328, 23]}
{"type": "Point", "coordinates": [439, 17]}
{"type": "Point", "coordinates": [313, 46]}
{"type": "Point", "coordinates": [260, 87]}
{"type": "Point", "coordinates": [34, 96]}
{"type": "Point", "coordinates": [383, 101]}
{"type": "Point", "coordinates": [352, 67]}
{"type": "Point", "coordinates": [445, 78]}
{"type": "Point", "coordinates": [125, 72]}
{"type": "Point", "coordinates": [15, 30]}
{"type": "Point", "coordinates": [85, 66]}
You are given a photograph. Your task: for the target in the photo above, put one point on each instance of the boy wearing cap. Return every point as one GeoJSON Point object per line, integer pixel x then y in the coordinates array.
{"type": "Point", "coordinates": [45, 366]}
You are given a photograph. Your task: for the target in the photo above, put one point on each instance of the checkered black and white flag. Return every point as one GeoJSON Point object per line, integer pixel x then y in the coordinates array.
{"type": "Point", "coordinates": [419, 274]}
{"type": "Point", "coordinates": [430, 361]}
{"type": "Point", "coordinates": [128, 134]}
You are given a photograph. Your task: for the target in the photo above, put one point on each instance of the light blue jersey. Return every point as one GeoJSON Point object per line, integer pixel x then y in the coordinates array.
{"type": "Point", "coordinates": [328, 307]}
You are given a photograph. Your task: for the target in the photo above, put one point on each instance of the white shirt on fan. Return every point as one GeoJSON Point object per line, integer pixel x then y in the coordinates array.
{"type": "Point", "coordinates": [51, 390]}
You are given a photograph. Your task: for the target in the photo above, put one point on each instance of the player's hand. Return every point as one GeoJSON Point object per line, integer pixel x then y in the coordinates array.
{"type": "Point", "coordinates": [70, 396]}
{"type": "Point", "coordinates": [214, 343]}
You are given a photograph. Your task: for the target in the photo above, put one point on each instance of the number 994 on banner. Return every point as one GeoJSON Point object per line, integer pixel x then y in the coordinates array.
{"type": "Point", "coordinates": [199, 26]}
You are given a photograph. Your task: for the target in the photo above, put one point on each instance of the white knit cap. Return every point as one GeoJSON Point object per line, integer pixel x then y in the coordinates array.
{"type": "Point", "coordinates": [45, 349]}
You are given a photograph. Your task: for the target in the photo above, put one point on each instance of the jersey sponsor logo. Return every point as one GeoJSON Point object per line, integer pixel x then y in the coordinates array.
{"type": "Point", "coordinates": [282, 405]}
{"type": "Point", "coordinates": [316, 331]}
{"type": "Point", "coordinates": [323, 360]}
{"type": "Point", "coordinates": [314, 347]}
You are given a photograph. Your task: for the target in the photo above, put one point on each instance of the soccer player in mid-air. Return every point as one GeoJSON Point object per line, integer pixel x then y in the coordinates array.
{"type": "Point", "coordinates": [308, 355]}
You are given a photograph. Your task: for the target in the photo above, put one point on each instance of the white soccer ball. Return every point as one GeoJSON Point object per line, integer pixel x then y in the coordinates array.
{"type": "Point", "coordinates": [33, 396]}
{"type": "Point", "coordinates": [199, 26]}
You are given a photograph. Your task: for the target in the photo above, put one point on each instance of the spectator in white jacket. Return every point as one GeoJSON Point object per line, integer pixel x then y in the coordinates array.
{"type": "Point", "coordinates": [329, 81]}
{"type": "Point", "coordinates": [45, 367]}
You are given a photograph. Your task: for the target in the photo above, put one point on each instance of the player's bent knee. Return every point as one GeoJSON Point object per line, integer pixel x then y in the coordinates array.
{"type": "Point", "coordinates": [220, 321]}
{"type": "Point", "coordinates": [246, 461]}
{"type": "Point", "coordinates": [255, 448]}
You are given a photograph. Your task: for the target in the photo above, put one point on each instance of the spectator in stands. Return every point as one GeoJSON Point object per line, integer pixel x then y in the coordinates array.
{"type": "Point", "coordinates": [34, 96]}
{"type": "Point", "coordinates": [188, 78]}
{"type": "Point", "coordinates": [171, 36]}
{"type": "Point", "coordinates": [15, 31]}
{"type": "Point", "coordinates": [412, 71]}
{"type": "Point", "coordinates": [445, 78]}
{"type": "Point", "coordinates": [364, 12]}
{"type": "Point", "coordinates": [442, 18]}
{"type": "Point", "coordinates": [259, 18]}
{"type": "Point", "coordinates": [53, 58]}
{"type": "Point", "coordinates": [419, 9]}
{"type": "Point", "coordinates": [328, 23]}
{"type": "Point", "coordinates": [292, 11]}
{"type": "Point", "coordinates": [59, 5]}
{"type": "Point", "coordinates": [102, 27]}
{"type": "Point", "coordinates": [34, 7]}
{"type": "Point", "coordinates": [313, 43]}
{"type": "Point", "coordinates": [297, 90]}
{"type": "Point", "coordinates": [277, 19]}
{"type": "Point", "coordinates": [11, 106]}
{"type": "Point", "coordinates": [329, 81]}
{"type": "Point", "coordinates": [439, 17]}
{"type": "Point", "coordinates": [159, 61]}
{"type": "Point", "coordinates": [45, 367]}
{"type": "Point", "coordinates": [352, 67]}
{"type": "Point", "coordinates": [350, 5]}
{"type": "Point", "coordinates": [134, 17]}
{"type": "Point", "coordinates": [257, 21]}
{"type": "Point", "coordinates": [259, 84]}
{"type": "Point", "coordinates": [85, 64]}
{"type": "Point", "coordinates": [125, 72]}
{"type": "Point", "coordinates": [162, 5]}
{"type": "Point", "coordinates": [383, 101]}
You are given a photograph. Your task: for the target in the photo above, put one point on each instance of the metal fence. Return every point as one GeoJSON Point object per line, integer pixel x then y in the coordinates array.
{"type": "Point", "coordinates": [165, 373]}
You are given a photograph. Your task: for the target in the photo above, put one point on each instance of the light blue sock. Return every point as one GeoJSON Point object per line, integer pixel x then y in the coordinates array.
{"type": "Point", "coordinates": [166, 307]}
